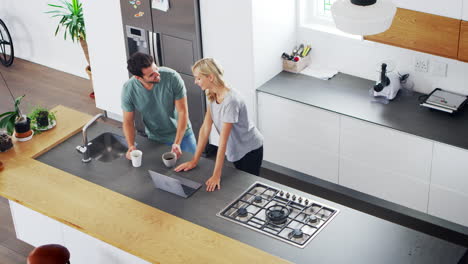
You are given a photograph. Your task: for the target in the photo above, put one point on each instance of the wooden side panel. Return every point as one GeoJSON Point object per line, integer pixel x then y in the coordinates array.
{"type": "Point", "coordinates": [463, 46]}
{"type": "Point", "coordinates": [423, 32]}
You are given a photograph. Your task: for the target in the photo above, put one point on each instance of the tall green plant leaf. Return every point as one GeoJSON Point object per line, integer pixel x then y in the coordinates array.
{"type": "Point", "coordinates": [72, 21]}
{"type": "Point", "coordinates": [11, 125]}
{"type": "Point", "coordinates": [5, 114]}
{"type": "Point", "coordinates": [8, 121]}
{"type": "Point", "coordinates": [17, 103]}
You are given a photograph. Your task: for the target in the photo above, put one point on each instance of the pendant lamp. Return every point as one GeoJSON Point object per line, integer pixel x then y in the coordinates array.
{"type": "Point", "coordinates": [363, 17]}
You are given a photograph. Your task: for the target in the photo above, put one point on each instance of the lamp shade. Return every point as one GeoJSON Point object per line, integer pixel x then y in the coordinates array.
{"type": "Point", "coordinates": [365, 19]}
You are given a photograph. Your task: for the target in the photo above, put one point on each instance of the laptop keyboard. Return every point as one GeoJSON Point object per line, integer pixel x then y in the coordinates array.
{"type": "Point", "coordinates": [188, 190]}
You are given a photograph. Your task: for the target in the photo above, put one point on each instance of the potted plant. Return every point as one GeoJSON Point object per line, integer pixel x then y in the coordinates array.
{"type": "Point", "coordinates": [71, 19]}
{"type": "Point", "coordinates": [42, 119]}
{"type": "Point", "coordinates": [5, 141]}
{"type": "Point", "coordinates": [15, 120]}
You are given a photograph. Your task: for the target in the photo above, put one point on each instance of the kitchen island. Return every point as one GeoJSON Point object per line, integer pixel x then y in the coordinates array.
{"type": "Point", "coordinates": [118, 204]}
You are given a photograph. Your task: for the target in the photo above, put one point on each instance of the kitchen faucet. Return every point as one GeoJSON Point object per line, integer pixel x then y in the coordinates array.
{"type": "Point", "coordinates": [84, 148]}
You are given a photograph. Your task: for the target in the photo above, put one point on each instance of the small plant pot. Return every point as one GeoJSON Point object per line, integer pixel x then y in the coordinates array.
{"type": "Point", "coordinates": [42, 119]}
{"type": "Point", "coordinates": [5, 141]}
{"type": "Point", "coordinates": [23, 125]}
{"type": "Point", "coordinates": [23, 130]}
{"type": "Point", "coordinates": [23, 135]}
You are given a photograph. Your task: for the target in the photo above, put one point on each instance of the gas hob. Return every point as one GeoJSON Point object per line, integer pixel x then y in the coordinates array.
{"type": "Point", "coordinates": [279, 214]}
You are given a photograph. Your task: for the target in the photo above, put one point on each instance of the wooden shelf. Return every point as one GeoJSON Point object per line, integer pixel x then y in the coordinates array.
{"type": "Point", "coordinates": [463, 46]}
{"type": "Point", "coordinates": [423, 32]}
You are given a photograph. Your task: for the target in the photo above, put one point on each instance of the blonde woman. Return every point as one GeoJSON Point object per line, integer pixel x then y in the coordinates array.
{"type": "Point", "coordinates": [239, 140]}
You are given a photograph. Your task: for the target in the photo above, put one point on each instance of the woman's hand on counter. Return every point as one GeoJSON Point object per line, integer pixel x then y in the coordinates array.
{"type": "Point", "coordinates": [186, 166]}
{"type": "Point", "coordinates": [130, 149]}
{"type": "Point", "coordinates": [213, 182]}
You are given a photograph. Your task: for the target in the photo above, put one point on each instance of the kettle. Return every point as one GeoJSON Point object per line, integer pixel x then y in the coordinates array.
{"type": "Point", "coordinates": [388, 85]}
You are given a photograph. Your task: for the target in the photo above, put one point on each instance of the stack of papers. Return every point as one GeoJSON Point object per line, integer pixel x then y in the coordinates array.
{"type": "Point", "coordinates": [319, 72]}
{"type": "Point", "coordinates": [444, 100]}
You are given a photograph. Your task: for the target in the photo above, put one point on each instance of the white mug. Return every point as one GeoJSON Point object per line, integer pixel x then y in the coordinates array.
{"type": "Point", "coordinates": [169, 159]}
{"type": "Point", "coordinates": [136, 156]}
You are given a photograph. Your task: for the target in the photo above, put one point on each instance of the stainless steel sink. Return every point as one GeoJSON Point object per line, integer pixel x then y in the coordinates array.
{"type": "Point", "coordinates": [107, 147]}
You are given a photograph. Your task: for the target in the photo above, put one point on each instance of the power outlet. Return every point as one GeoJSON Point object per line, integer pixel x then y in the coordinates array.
{"type": "Point", "coordinates": [421, 65]}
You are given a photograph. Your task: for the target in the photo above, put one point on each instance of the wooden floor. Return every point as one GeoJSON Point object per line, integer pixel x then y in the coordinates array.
{"type": "Point", "coordinates": [44, 87]}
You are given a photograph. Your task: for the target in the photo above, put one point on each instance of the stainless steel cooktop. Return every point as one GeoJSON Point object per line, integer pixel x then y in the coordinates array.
{"type": "Point", "coordinates": [279, 214]}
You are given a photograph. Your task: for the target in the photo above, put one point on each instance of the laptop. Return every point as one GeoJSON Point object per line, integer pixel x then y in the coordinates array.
{"type": "Point", "coordinates": [174, 184]}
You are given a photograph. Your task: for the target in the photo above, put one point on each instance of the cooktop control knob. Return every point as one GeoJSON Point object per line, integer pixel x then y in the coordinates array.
{"type": "Point", "coordinates": [306, 202]}
{"type": "Point", "coordinates": [281, 193]}
{"type": "Point", "coordinates": [287, 195]}
{"type": "Point", "coordinates": [294, 197]}
{"type": "Point", "coordinates": [299, 199]}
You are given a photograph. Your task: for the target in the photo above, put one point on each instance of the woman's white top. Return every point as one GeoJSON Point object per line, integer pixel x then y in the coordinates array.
{"type": "Point", "coordinates": [244, 136]}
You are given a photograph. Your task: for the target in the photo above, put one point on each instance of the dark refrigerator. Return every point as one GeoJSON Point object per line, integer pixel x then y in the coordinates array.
{"type": "Point", "coordinates": [173, 38]}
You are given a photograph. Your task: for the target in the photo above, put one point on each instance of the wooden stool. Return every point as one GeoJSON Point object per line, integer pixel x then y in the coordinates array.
{"type": "Point", "coordinates": [49, 254]}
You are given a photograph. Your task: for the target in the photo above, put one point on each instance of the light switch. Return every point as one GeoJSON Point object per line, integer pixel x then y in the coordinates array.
{"type": "Point", "coordinates": [439, 68]}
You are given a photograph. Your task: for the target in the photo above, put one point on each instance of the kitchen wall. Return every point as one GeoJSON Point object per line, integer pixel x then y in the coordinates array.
{"type": "Point", "coordinates": [361, 58]}
{"type": "Point", "coordinates": [106, 53]}
{"type": "Point", "coordinates": [247, 38]}
{"type": "Point", "coordinates": [33, 36]}
{"type": "Point", "coordinates": [227, 36]}
{"type": "Point", "coordinates": [274, 31]}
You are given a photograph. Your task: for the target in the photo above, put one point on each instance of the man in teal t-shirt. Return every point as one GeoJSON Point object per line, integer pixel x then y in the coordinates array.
{"type": "Point", "coordinates": [159, 94]}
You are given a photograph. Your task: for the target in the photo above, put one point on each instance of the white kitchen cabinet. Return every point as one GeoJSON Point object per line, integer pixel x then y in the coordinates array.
{"type": "Point", "coordinates": [37, 229]}
{"type": "Point", "coordinates": [449, 184]}
{"type": "Point", "coordinates": [448, 204]}
{"type": "Point", "coordinates": [447, 8]}
{"type": "Point", "coordinates": [384, 183]}
{"type": "Point", "coordinates": [385, 163]}
{"type": "Point", "coordinates": [104, 34]}
{"type": "Point", "coordinates": [34, 228]}
{"type": "Point", "coordinates": [87, 249]}
{"type": "Point", "coordinates": [299, 137]}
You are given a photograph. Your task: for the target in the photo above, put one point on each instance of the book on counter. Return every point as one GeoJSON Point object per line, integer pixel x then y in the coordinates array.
{"type": "Point", "coordinates": [444, 100]}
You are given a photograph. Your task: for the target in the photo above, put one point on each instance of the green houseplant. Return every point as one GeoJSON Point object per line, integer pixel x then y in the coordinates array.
{"type": "Point", "coordinates": [72, 21]}
{"type": "Point", "coordinates": [42, 119]}
{"type": "Point", "coordinates": [5, 141]}
{"type": "Point", "coordinates": [8, 119]}
{"type": "Point", "coordinates": [15, 120]}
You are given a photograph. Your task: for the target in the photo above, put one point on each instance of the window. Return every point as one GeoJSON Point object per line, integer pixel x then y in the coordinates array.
{"type": "Point", "coordinates": [316, 15]}
{"type": "Point", "coordinates": [323, 9]}
{"type": "Point", "coordinates": [316, 12]}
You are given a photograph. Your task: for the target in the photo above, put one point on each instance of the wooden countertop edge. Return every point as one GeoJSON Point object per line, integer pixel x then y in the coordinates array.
{"type": "Point", "coordinates": [130, 225]}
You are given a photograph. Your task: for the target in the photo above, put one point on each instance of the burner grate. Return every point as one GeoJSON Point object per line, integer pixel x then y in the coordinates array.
{"type": "Point", "coordinates": [306, 218]}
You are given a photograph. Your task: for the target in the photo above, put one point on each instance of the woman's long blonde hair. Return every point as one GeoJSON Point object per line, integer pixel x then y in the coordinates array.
{"type": "Point", "coordinates": [208, 66]}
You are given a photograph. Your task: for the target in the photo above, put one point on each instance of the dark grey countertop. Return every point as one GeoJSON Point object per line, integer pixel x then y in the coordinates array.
{"type": "Point", "coordinates": [349, 95]}
{"type": "Point", "coordinates": [352, 236]}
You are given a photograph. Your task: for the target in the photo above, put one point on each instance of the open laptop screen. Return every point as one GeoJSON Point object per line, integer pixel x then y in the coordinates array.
{"type": "Point", "coordinates": [174, 184]}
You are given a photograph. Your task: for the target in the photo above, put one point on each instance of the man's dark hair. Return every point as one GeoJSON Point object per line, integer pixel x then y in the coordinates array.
{"type": "Point", "coordinates": [137, 62]}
